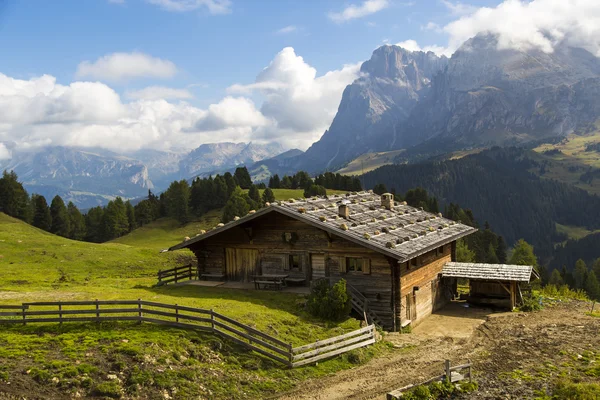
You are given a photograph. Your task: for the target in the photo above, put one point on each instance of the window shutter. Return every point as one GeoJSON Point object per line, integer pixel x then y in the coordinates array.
{"type": "Point", "coordinates": [366, 266]}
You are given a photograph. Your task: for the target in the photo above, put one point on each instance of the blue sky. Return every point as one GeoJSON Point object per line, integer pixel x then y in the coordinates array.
{"type": "Point", "coordinates": [53, 37]}
{"type": "Point", "coordinates": [173, 74]}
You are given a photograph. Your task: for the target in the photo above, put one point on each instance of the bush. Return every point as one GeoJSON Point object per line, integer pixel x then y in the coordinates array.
{"type": "Point", "coordinates": [531, 303]}
{"type": "Point", "coordinates": [329, 302]}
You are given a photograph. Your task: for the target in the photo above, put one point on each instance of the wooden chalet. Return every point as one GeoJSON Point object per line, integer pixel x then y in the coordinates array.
{"type": "Point", "coordinates": [499, 285]}
{"type": "Point", "coordinates": [391, 255]}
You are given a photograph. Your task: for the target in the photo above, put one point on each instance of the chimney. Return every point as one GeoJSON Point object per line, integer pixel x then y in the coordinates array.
{"type": "Point", "coordinates": [344, 211]}
{"type": "Point", "coordinates": [387, 200]}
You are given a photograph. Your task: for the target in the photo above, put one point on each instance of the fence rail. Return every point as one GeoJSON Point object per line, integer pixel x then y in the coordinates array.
{"type": "Point", "coordinates": [177, 274]}
{"type": "Point", "coordinates": [190, 318]}
{"type": "Point", "coordinates": [450, 375]}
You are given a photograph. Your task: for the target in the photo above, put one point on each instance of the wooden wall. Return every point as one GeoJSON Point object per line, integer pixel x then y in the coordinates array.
{"type": "Point", "coordinates": [276, 236]}
{"type": "Point", "coordinates": [493, 293]}
{"type": "Point", "coordinates": [431, 294]}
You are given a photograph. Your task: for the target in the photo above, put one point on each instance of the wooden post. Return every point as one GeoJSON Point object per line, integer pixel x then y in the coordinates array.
{"type": "Point", "coordinates": [593, 305]}
{"type": "Point", "coordinates": [140, 314]}
{"type": "Point", "coordinates": [97, 313]}
{"type": "Point", "coordinates": [448, 373]}
{"type": "Point", "coordinates": [175, 276]}
{"type": "Point", "coordinates": [212, 319]}
{"type": "Point", "coordinates": [470, 370]}
{"type": "Point", "coordinates": [190, 271]}
{"type": "Point", "coordinates": [176, 313]}
{"type": "Point", "coordinates": [24, 308]}
{"type": "Point", "coordinates": [159, 276]}
{"type": "Point", "coordinates": [60, 313]}
{"type": "Point", "coordinates": [290, 355]}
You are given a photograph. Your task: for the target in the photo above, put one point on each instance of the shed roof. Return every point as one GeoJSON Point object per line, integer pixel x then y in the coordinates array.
{"type": "Point", "coordinates": [493, 272]}
{"type": "Point", "coordinates": [403, 232]}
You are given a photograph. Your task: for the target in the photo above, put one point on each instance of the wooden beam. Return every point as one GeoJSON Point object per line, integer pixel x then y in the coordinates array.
{"type": "Point", "coordinates": [505, 288]}
{"type": "Point", "coordinates": [248, 231]}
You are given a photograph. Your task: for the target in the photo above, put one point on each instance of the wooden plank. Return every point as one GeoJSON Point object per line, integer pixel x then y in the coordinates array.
{"type": "Point", "coordinates": [333, 339]}
{"type": "Point", "coordinates": [11, 313]}
{"type": "Point", "coordinates": [177, 324]}
{"type": "Point", "coordinates": [88, 311]}
{"type": "Point", "coordinates": [176, 315]}
{"type": "Point", "coordinates": [81, 303]}
{"type": "Point", "coordinates": [81, 319]}
{"type": "Point", "coordinates": [174, 269]}
{"type": "Point", "coordinates": [254, 348]}
{"type": "Point", "coordinates": [460, 367]}
{"type": "Point", "coordinates": [178, 278]}
{"type": "Point", "coordinates": [253, 339]}
{"type": "Point", "coordinates": [173, 307]}
{"type": "Point", "coordinates": [333, 346]}
{"type": "Point", "coordinates": [333, 353]}
{"type": "Point", "coordinates": [252, 330]}
{"type": "Point", "coordinates": [8, 307]}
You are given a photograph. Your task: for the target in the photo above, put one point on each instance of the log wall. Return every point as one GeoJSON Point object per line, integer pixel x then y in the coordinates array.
{"type": "Point", "coordinates": [421, 289]}
{"type": "Point", "coordinates": [275, 237]}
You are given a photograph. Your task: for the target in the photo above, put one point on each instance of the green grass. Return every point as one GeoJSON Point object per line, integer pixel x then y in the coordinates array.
{"type": "Point", "coordinates": [369, 162]}
{"type": "Point", "coordinates": [38, 266]}
{"type": "Point", "coordinates": [286, 194]}
{"type": "Point", "coordinates": [574, 232]}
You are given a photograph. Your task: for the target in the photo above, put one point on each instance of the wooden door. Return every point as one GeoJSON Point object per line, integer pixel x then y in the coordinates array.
{"type": "Point", "coordinates": [241, 264]}
{"type": "Point", "coordinates": [317, 266]}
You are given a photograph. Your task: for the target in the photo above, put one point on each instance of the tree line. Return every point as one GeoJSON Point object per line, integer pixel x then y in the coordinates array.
{"type": "Point", "coordinates": [328, 180]}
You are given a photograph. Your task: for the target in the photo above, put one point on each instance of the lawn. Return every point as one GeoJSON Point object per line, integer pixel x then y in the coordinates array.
{"type": "Point", "coordinates": [141, 360]}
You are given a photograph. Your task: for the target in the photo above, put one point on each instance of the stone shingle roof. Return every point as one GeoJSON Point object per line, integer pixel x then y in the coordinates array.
{"type": "Point", "coordinates": [491, 272]}
{"type": "Point", "coordinates": [402, 232]}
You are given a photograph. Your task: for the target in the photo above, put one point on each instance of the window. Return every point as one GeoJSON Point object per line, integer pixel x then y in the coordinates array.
{"type": "Point", "coordinates": [294, 262]}
{"type": "Point", "coordinates": [440, 250]}
{"type": "Point", "coordinates": [414, 262]}
{"type": "Point", "coordinates": [354, 264]}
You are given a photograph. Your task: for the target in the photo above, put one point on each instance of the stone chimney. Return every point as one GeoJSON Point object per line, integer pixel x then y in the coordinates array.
{"type": "Point", "coordinates": [387, 200]}
{"type": "Point", "coordinates": [344, 211]}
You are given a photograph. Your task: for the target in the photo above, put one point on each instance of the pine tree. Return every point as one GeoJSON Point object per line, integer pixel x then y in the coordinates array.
{"type": "Point", "coordinates": [275, 182]}
{"type": "Point", "coordinates": [556, 279]}
{"type": "Point", "coordinates": [315, 190]}
{"type": "Point", "coordinates": [220, 193]}
{"type": "Point", "coordinates": [94, 222]}
{"type": "Point", "coordinates": [41, 213]}
{"type": "Point", "coordinates": [463, 253]}
{"type": "Point", "coordinates": [177, 199]}
{"type": "Point", "coordinates": [230, 182]}
{"type": "Point", "coordinates": [380, 189]}
{"type": "Point", "coordinates": [14, 200]}
{"type": "Point", "coordinates": [242, 177]}
{"type": "Point", "coordinates": [254, 195]}
{"type": "Point", "coordinates": [236, 206]}
{"type": "Point", "coordinates": [143, 213]}
{"type": "Point", "coordinates": [115, 222]}
{"type": "Point", "coordinates": [501, 250]}
{"type": "Point", "coordinates": [491, 257]}
{"type": "Point", "coordinates": [268, 196]}
{"type": "Point", "coordinates": [592, 287]}
{"type": "Point", "coordinates": [567, 277]}
{"type": "Point", "coordinates": [76, 222]}
{"type": "Point", "coordinates": [130, 216]}
{"type": "Point", "coordinates": [580, 274]}
{"type": "Point", "coordinates": [60, 217]}
{"type": "Point", "coordinates": [596, 267]}
{"type": "Point", "coordinates": [286, 182]}
{"type": "Point", "coordinates": [523, 254]}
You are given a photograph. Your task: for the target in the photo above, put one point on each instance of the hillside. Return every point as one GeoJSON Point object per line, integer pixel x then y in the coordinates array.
{"type": "Point", "coordinates": [368, 162]}
{"type": "Point", "coordinates": [148, 360]}
{"type": "Point", "coordinates": [497, 185]}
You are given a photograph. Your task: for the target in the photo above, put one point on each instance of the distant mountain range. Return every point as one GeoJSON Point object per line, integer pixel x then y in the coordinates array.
{"type": "Point", "coordinates": [481, 96]}
{"type": "Point", "coordinates": [90, 177]}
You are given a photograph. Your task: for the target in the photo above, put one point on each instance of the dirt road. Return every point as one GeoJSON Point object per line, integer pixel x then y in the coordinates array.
{"type": "Point", "coordinates": [498, 345]}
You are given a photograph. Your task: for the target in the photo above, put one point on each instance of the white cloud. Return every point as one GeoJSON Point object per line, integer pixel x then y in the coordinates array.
{"type": "Point", "coordinates": [412, 45]}
{"type": "Point", "coordinates": [353, 11]}
{"type": "Point", "coordinates": [300, 103]}
{"type": "Point", "coordinates": [231, 112]}
{"type": "Point", "coordinates": [123, 66]}
{"type": "Point", "coordinates": [287, 29]}
{"type": "Point", "coordinates": [213, 6]}
{"type": "Point", "coordinates": [158, 92]}
{"type": "Point", "coordinates": [4, 153]}
{"type": "Point", "coordinates": [432, 26]}
{"type": "Point", "coordinates": [523, 25]}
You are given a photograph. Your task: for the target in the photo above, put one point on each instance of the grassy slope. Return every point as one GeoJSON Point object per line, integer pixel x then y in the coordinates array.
{"type": "Point", "coordinates": [368, 162]}
{"type": "Point", "coordinates": [39, 266]}
{"type": "Point", "coordinates": [572, 161]}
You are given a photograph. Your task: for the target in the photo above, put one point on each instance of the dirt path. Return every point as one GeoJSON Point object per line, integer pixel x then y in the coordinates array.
{"type": "Point", "coordinates": [497, 344]}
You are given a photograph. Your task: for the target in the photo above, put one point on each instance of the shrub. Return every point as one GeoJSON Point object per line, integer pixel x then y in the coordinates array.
{"type": "Point", "coordinates": [329, 302]}
{"type": "Point", "coordinates": [531, 303]}
{"type": "Point", "coordinates": [110, 389]}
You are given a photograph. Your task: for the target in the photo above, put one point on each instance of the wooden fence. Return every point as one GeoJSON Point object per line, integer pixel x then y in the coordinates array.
{"type": "Point", "coordinates": [186, 317]}
{"type": "Point", "coordinates": [177, 274]}
{"type": "Point", "coordinates": [451, 374]}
